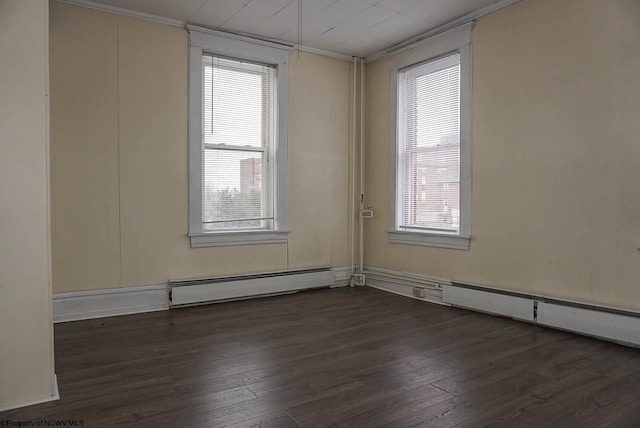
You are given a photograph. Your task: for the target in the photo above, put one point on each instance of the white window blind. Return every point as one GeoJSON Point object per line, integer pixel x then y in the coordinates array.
{"type": "Point", "coordinates": [428, 182]}
{"type": "Point", "coordinates": [239, 106]}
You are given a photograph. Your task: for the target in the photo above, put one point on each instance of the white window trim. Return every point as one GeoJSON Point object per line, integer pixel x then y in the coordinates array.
{"type": "Point", "coordinates": [249, 49]}
{"type": "Point", "coordinates": [458, 39]}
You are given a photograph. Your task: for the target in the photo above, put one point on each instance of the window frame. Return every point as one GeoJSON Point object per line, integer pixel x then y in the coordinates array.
{"type": "Point", "coordinates": [449, 42]}
{"type": "Point", "coordinates": [243, 48]}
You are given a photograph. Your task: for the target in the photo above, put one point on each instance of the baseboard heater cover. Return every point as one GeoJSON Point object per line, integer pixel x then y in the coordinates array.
{"type": "Point", "coordinates": [611, 324]}
{"type": "Point", "coordinates": [619, 328]}
{"type": "Point", "coordinates": [200, 291]}
{"type": "Point", "coordinates": [493, 303]}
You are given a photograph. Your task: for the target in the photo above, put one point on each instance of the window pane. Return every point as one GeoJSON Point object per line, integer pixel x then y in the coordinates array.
{"type": "Point", "coordinates": [234, 102]}
{"type": "Point", "coordinates": [435, 193]}
{"type": "Point", "coordinates": [238, 131]}
{"type": "Point", "coordinates": [234, 194]}
{"type": "Point", "coordinates": [438, 107]}
{"type": "Point", "coordinates": [430, 146]}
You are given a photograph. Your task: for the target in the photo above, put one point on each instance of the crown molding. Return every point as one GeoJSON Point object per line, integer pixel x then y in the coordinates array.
{"type": "Point", "coordinates": [124, 12]}
{"type": "Point", "coordinates": [245, 37]}
{"type": "Point", "coordinates": [409, 43]}
{"type": "Point", "coordinates": [343, 57]}
{"type": "Point", "coordinates": [183, 24]}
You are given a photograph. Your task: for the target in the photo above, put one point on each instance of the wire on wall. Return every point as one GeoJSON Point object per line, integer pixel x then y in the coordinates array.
{"type": "Point", "coordinates": [299, 27]}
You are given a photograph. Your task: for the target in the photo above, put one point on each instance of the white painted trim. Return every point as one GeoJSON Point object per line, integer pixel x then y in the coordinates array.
{"type": "Point", "coordinates": [242, 37]}
{"type": "Point", "coordinates": [56, 390]}
{"type": "Point", "coordinates": [252, 38]}
{"type": "Point", "coordinates": [403, 283]}
{"type": "Point", "coordinates": [457, 39]}
{"type": "Point", "coordinates": [52, 362]}
{"type": "Point", "coordinates": [55, 396]}
{"type": "Point", "coordinates": [444, 43]}
{"type": "Point", "coordinates": [619, 328]}
{"type": "Point", "coordinates": [124, 12]}
{"type": "Point", "coordinates": [466, 138]}
{"type": "Point", "coordinates": [409, 43]}
{"type": "Point", "coordinates": [454, 242]}
{"type": "Point", "coordinates": [217, 239]}
{"type": "Point", "coordinates": [343, 57]}
{"type": "Point", "coordinates": [80, 305]}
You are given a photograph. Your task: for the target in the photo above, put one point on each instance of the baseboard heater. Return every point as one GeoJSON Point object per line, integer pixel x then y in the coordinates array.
{"type": "Point", "coordinates": [210, 290]}
{"type": "Point", "coordinates": [612, 324]}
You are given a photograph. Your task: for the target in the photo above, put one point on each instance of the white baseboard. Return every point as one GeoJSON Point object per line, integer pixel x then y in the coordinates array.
{"type": "Point", "coordinates": [55, 396]}
{"type": "Point", "coordinates": [616, 327]}
{"type": "Point", "coordinates": [404, 283]}
{"type": "Point", "coordinates": [342, 276]}
{"type": "Point", "coordinates": [80, 305]}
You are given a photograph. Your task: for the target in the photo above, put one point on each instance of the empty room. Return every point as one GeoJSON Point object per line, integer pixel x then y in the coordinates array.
{"type": "Point", "coordinates": [319, 213]}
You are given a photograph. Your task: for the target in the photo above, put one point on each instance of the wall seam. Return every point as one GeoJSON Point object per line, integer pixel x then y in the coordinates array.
{"type": "Point", "coordinates": [118, 154]}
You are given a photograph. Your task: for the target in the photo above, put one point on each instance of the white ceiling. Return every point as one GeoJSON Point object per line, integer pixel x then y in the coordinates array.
{"type": "Point", "coordinates": [351, 27]}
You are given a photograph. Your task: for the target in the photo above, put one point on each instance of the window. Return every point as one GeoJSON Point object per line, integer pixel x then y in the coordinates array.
{"type": "Point", "coordinates": [429, 146]}
{"type": "Point", "coordinates": [237, 140]}
{"type": "Point", "coordinates": [431, 137]}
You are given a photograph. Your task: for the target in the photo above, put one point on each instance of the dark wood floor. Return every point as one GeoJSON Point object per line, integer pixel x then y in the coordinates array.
{"type": "Point", "coordinates": [341, 357]}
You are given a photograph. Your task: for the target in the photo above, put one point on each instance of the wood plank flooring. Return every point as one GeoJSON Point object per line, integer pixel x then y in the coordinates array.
{"type": "Point", "coordinates": [350, 357]}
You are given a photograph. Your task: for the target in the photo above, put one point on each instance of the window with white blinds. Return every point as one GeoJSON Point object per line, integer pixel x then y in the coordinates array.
{"type": "Point", "coordinates": [430, 164]}
{"type": "Point", "coordinates": [239, 127]}
{"type": "Point", "coordinates": [429, 146]}
{"type": "Point", "coordinates": [238, 148]}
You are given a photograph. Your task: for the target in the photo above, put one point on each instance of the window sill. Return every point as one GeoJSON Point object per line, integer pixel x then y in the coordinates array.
{"type": "Point", "coordinates": [223, 239]}
{"type": "Point", "coordinates": [440, 240]}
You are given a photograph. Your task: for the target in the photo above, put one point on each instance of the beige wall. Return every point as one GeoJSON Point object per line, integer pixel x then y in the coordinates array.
{"type": "Point", "coordinates": [26, 339]}
{"type": "Point", "coordinates": [556, 205]}
{"type": "Point", "coordinates": [554, 196]}
{"type": "Point", "coordinates": [318, 161]}
{"type": "Point", "coordinates": [119, 158]}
